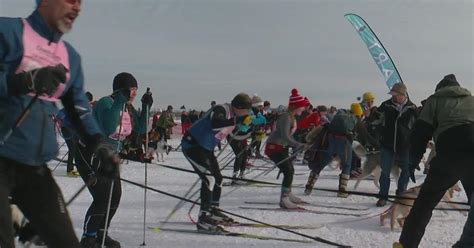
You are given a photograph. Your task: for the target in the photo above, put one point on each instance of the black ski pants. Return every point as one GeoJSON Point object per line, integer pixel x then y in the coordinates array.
{"type": "Point", "coordinates": [285, 165]}
{"type": "Point", "coordinates": [38, 196]}
{"type": "Point", "coordinates": [241, 154]}
{"type": "Point", "coordinates": [204, 162]}
{"type": "Point", "coordinates": [445, 171]}
{"type": "Point", "coordinates": [99, 188]}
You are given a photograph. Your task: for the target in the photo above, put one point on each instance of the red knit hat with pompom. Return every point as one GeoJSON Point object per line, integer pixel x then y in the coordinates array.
{"type": "Point", "coordinates": [297, 100]}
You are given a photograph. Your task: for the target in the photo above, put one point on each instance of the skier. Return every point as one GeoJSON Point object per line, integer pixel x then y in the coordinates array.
{"type": "Point", "coordinates": [448, 117]}
{"type": "Point", "coordinates": [279, 142]}
{"type": "Point", "coordinates": [117, 118]}
{"type": "Point", "coordinates": [398, 115]}
{"type": "Point", "coordinates": [339, 137]}
{"type": "Point", "coordinates": [198, 146]}
{"type": "Point", "coordinates": [258, 122]}
{"type": "Point", "coordinates": [35, 61]}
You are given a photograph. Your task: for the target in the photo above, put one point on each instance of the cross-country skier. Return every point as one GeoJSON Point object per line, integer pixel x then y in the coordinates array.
{"type": "Point", "coordinates": [116, 118]}
{"type": "Point", "coordinates": [35, 61]}
{"type": "Point", "coordinates": [198, 147]}
{"type": "Point", "coordinates": [340, 133]}
{"type": "Point", "coordinates": [279, 142]}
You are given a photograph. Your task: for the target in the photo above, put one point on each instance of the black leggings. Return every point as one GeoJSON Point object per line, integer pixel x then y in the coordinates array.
{"type": "Point", "coordinates": [38, 196]}
{"type": "Point", "coordinates": [205, 162]}
{"type": "Point", "coordinates": [95, 217]}
{"type": "Point", "coordinates": [285, 167]}
{"type": "Point", "coordinates": [241, 154]}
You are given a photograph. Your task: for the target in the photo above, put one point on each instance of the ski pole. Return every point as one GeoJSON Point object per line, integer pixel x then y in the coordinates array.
{"type": "Point", "coordinates": [295, 153]}
{"type": "Point", "coordinates": [108, 213]}
{"type": "Point", "coordinates": [60, 161]}
{"type": "Point", "coordinates": [146, 170]}
{"type": "Point", "coordinates": [19, 120]}
{"type": "Point", "coordinates": [112, 184]}
{"type": "Point", "coordinates": [315, 238]}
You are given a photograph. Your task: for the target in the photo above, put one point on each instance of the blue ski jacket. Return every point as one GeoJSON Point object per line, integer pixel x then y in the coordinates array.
{"type": "Point", "coordinates": [34, 141]}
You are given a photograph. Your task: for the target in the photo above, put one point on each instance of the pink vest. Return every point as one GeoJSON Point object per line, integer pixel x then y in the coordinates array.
{"type": "Point", "coordinates": [124, 129]}
{"type": "Point", "coordinates": [38, 52]}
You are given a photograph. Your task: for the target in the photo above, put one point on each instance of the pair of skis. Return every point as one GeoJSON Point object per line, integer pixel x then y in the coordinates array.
{"type": "Point", "coordinates": [230, 233]}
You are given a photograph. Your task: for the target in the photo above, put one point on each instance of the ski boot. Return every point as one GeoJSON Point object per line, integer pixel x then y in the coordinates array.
{"type": "Point", "coordinates": [109, 242]}
{"type": "Point", "coordinates": [89, 242]}
{"type": "Point", "coordinates": [285, 201]}
{"type": "Point", "coordinates": [343, 180]}
{"type": "Point", "coordinates": [313, 177]}
{"type": "Point", "coordinates": [207, 223]}
{"type": "Point", "coordinates": [222, 218]}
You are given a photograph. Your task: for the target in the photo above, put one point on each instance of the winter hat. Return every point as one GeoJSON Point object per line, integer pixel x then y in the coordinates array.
{"type": "Point", "coordinates": [266, 103]}
{"type": "Point", "coordinates": [356, 109]}
{"type": "Point", "coordinates": [256, 101]}
{"type": "Point", "coordinates": [322, 108]}
{"type": "Point", "coordinates": [124, 80]}
{"type": "Point", "coordinates": [308, 103]}
{"type": "Point", "coordinates": [368, 96]}
{"type": "Point", "coordinates": [398, 89]}
{"type": "Point", "coordinates": [297, 100]}
{"type": "Point", "coordinates": [241, 101]}
{"type": "Point", "coordinates": [448, 80]}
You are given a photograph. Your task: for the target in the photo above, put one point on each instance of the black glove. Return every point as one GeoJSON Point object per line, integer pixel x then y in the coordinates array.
{"type": "Point", "coordinates": [109, 161]}
{"type": "Point", "coordinates": [43, 80]}
{"type": "Point", "coordinates": [147, 99]}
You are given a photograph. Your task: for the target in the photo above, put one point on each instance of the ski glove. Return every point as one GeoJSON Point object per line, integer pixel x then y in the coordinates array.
{"type": "Point", "coordinates": [109, 161]}
{"type": "Point", "coordinates": [41, 81]}
{"type": "Point", "coordinates": [147, 99]}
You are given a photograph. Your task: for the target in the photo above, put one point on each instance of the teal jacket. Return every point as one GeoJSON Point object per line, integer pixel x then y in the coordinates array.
{"type": "Point", "coordinates": [107, 113]}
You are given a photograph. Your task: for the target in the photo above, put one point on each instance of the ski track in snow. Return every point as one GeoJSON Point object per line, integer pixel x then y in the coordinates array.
{"type": "Point", "coordinates": [127, 225]}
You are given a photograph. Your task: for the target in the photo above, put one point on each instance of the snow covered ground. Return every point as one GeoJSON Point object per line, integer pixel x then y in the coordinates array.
{"type": "Point", "coordinates": [127, 226]}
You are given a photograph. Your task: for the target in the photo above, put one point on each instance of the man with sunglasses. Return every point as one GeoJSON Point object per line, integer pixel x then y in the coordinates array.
{"type": "Point", "coordinates": [37, 67]}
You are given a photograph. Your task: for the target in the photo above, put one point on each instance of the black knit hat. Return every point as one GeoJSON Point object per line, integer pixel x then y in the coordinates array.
{"type": "Point", "coordinates": [242, 101]}
{"type": "Point", "coordinates": [448, 80]}
{"type": "Point", "coordinates": [124, 80]}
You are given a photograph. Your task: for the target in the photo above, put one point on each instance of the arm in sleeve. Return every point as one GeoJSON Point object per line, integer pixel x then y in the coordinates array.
{"type": "Point", "coordinates": [140, 124]}
{"type": "Point", "coordinates": [219, 118]}
{"type": "Point", "coordinates": [11, 50]}
{"type": "Point", "coordinates": [3, 72]}
{"type": "Point", "coordinates": [259, 120]}
{"type": "Point", "coordinates": [422, 132]}
{"type": "Point", "coordinates": [285, 125]}
{"type": "Point", "coordinates": [108, 113]}
{"type": "Point", "coordinates": [78, 110]}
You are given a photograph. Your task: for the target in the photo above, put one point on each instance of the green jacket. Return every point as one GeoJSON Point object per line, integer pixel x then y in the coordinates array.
{"type": "Point", "coordinates": [447, 108]}
{"type": "Point", "coordinates": [165, 120]}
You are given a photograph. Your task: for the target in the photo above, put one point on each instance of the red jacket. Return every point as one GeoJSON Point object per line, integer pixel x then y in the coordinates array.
{"type": "Point", "coordinates": [313, 119]}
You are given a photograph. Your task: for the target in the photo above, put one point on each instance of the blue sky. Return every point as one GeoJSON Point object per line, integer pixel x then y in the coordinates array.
{"type": "Point", "coordinates": [192, 52]}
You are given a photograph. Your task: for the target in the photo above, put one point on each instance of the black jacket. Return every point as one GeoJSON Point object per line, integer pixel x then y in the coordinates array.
{"type": "Point", "coordinates": [397, 125]}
